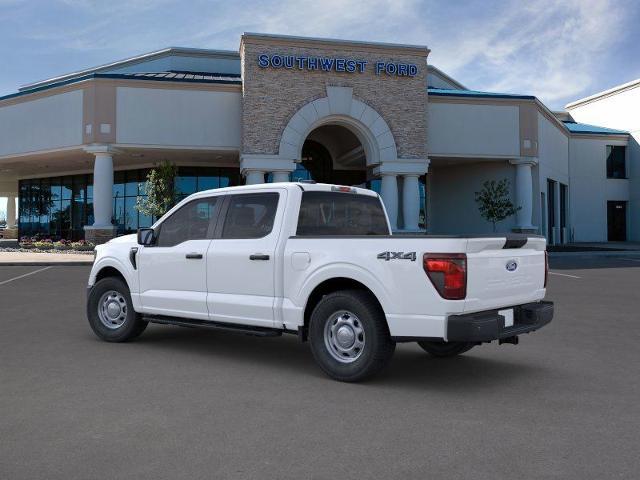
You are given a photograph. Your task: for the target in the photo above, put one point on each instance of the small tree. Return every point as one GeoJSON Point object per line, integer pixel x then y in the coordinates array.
{"type": "Point", "coordinates": [160, 190]}
{"type": "Point", "coordinates": [494, 201]}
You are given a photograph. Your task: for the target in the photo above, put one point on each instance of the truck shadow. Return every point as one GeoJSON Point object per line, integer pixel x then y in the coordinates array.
{"type": "Point", "coordinates": [288, 357]}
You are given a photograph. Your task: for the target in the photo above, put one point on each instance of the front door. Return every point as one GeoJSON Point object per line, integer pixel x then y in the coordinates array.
{"type": "Point", "coordinates": [173, 272]}
{"type": "Point", "coordinates": [241, 261]}
{"type": "Point", "coordinates": [617, 221]}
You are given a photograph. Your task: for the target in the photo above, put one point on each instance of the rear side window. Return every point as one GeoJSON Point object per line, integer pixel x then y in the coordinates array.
{"type": "Point", "coordinates": [250, 215]}
{"type": "Point", "coordinates": [335, 213]}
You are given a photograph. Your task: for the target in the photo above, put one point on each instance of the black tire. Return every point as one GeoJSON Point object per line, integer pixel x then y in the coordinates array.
{"type": "Point", "coordinates": [131, 327]}
{"type": "Point", "coordinates": [377, 349]}
{"type": "Point", "coordinates": [446, 349]}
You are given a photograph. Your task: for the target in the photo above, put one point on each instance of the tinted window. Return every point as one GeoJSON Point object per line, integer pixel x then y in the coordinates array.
{"type": "Point", "coordinates": [333, 213]}
{"type": "Point", "coordinates": [190, 222]}
{"type": "Point", "coordinates": [616, 162]}
{"type": "Point", "coordinates": [250, 215]}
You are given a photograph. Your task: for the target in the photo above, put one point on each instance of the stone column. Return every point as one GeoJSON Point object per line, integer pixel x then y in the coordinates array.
{"type": "Point", "coordinates": [411, 201]}
{"type": "Point", "coordinates": [524, 193]}
{"type": "Point", "coordinates": [253, 167]}
{"type": "Point", "coordinates": [410, 170]}
{"type": "Point", "coordinates": [389, 193]}
{"type": "Point", "coordinates": [102, 229]}
{"type": "Point", "coordinates": [253, 177]}
{"type": "Point", "coordinates": [280, 176]}
{"type": "Point", "coordinates": [11, 212]}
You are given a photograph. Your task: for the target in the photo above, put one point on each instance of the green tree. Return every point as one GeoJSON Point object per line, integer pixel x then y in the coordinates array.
{"type": "Point", "coordinates": [494, 201]}
{"type": "Point", "coordinates": [160, 190]}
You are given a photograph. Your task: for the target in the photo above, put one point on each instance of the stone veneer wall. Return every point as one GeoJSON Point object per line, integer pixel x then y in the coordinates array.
{"type": "Point", "coordinates": [271, 96]}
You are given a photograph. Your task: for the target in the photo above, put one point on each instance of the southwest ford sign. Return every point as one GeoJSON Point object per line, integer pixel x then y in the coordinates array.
{"type": "Point", "coordinates": [333, 64]}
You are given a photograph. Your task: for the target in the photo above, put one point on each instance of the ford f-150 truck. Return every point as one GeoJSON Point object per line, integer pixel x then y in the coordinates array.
{"type": "Point", "coordinates": [318, 261]}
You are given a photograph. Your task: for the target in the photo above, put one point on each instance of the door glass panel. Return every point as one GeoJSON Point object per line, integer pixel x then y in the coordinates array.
{"type": "Point", "coordinates": [250, 215]}
{"type": "Point", "coordinates": [191, 222]}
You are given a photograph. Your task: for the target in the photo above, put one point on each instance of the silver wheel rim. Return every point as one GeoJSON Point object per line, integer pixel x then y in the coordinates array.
{"type": "Point", "coordinates": [112, 309]}
{"type": "Point", "coordinates": [344, 336]}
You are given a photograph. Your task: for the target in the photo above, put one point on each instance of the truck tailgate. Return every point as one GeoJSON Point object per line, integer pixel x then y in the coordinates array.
{"type": "Point", "coordinates": [503, 274]}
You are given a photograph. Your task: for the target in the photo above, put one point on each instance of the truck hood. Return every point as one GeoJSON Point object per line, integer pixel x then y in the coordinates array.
{"type": "Point", "coordinates": [132, 238]}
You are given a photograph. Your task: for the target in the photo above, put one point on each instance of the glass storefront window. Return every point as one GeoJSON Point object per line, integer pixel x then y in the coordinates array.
{"type": "Point", "coordinates": [60, 207]}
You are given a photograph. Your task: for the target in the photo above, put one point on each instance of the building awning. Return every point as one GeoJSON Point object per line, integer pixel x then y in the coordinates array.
{"type": "Point", "coordinates": [444, 92]}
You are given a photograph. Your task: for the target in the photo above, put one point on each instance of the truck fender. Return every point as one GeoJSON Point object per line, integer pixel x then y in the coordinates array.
{"type": "Point", "coordinates": [349, 271]}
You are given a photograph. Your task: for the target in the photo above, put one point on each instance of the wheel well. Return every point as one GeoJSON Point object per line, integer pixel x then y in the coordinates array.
{"type": "Point", "coordinates": [110, 272]}
{"type": "Point", "coordinates": [330, 286]}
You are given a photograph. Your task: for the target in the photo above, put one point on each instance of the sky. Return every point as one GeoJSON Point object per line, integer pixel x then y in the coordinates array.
{"type": "Point", "coordinates": [557, 50]}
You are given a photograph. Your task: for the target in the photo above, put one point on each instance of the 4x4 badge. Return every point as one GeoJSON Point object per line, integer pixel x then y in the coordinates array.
{"type": "Point", "coordinates": [397, 256]}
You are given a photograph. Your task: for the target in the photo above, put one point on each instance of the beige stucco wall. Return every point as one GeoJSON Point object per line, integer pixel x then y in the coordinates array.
{"type": "Point", "coordinates": [177, 117]}
{"type": "Point", "coordinates": [467, 129]}
{"type": "Point", "coordinates": [271, 96]}
{"type": "Point", "coordinates": [54, 121]}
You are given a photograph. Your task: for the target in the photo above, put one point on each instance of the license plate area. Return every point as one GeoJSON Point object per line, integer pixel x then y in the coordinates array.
{"type": "Point", "coordinates": [508, 316]}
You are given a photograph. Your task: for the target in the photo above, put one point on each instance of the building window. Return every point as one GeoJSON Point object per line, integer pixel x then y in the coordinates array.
{"type": "Point", "coordinates": [59, 207]}
{"type": "Point", "coordinates": [616, 161]}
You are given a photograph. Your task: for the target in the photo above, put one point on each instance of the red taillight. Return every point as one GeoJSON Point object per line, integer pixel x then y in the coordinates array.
{"type": "Point", "coordinates": [448, 273]}
{"type": "Point", "coordinates": [546, 268]}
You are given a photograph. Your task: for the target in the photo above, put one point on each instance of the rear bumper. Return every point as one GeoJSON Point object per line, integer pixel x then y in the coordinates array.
{"type": "Point", "coordinates": [489, 325]}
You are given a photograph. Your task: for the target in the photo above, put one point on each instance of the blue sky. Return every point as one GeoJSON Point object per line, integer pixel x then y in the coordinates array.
{"type": "Point", "coordinates": [557, 50]}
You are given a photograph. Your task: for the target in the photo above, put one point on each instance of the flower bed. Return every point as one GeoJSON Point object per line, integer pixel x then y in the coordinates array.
{"type": "Point", "coordinates": [37, 244]}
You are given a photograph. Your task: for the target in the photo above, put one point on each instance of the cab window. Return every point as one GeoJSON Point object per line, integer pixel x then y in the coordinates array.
{"type": "Point", "coordinates": [193, 221]}
{"type": "Point", "coordinates": [250, 215]}
{"type": "Point", "coordinates": [334, 213]}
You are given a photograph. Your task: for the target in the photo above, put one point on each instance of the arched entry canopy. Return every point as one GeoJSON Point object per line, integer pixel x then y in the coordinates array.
{"type": "Point", "coordinates": [340, 108]}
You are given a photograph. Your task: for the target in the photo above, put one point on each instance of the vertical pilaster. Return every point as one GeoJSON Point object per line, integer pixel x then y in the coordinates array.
{"type": "Point", "coordinates": [389, 193]}
{"type": "Point", "coordinates": [524, 192]}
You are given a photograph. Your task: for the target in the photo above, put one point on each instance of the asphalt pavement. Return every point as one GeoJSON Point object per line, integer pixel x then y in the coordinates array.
{"type": "Point", "coordinates": [185, 403]}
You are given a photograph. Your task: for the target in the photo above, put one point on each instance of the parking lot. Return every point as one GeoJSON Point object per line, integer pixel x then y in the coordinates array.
{"type": "Point", "coordinates": [186, 403]}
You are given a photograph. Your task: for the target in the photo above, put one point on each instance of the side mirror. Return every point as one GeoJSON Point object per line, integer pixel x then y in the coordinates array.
{"type": "Point", "coordinates": [146, 237]}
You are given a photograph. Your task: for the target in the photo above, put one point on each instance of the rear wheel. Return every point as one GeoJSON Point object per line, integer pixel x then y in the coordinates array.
{"type": "Point", "coordinates": [349, 336]}
{"type": "Point", "coordinates": [110, 311]}
{"type": "Point", "coordinates": [446, 349]}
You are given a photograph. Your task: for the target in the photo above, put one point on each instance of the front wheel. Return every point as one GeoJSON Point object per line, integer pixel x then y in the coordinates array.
{"type": "Point", "coordinates": [110, 311]}
{"type": "Point", "coordinates": [349, 336]}
{"type": "Point", "coordinates": [446, 349]}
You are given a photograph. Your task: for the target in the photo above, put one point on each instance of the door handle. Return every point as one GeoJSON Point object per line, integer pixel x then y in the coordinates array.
{"type": "Point", "coordinates": [258, 256]}
{"type": "Point", "coordinates": [193, 256]}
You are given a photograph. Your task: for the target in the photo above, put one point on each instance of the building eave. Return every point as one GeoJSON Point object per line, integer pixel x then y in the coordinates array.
{"type": "Point", "coordinates": [115, 76]}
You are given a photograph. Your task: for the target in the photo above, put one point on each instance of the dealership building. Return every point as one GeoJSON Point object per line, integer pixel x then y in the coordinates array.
{"type": "Point", "coordinates": [75, 150]}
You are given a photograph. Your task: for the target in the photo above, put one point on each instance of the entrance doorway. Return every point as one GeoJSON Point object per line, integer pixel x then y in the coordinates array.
{"type": "Point", "coordinates": [617, 221]}
{"type": "Point", "coordinates": [333, 154]}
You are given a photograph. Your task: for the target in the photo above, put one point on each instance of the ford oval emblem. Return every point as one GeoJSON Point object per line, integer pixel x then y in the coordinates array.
{"type": "Point", "coordinates": [512, 266]}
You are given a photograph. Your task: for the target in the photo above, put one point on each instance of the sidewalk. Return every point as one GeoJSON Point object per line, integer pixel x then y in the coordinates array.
{"type": "Point", "coordinates": [37, 259]}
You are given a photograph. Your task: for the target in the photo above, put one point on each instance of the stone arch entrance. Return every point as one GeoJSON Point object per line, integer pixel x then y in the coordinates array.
{"type": "Point", "coordinates": [341, 109]}
{"type": "Point", "coordinates": [324, 128]}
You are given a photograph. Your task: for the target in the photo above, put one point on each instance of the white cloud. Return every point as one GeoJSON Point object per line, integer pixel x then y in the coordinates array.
{"type": "Point", "coordinates": [545, 48]}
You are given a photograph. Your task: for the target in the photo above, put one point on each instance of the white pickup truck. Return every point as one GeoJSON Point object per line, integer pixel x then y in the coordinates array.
{"type": "Point", "coordinates": [318, 261]}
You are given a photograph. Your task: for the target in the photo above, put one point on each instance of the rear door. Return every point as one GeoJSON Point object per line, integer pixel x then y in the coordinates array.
{"type": "Point", "coordinates": [502, 274]}
{"type": "Point", "coordinates": [241, 260]}
{"type": "Point", "coordinates": [173, 273]}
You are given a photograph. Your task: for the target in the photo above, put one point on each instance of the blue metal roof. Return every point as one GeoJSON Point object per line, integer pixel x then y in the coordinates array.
{"type": "Point", "coordinates": [585, 128]}
{"type": "Point", "coordinates": [188, 77]}
{"type": "Point", "coordinates": [444, 92]}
